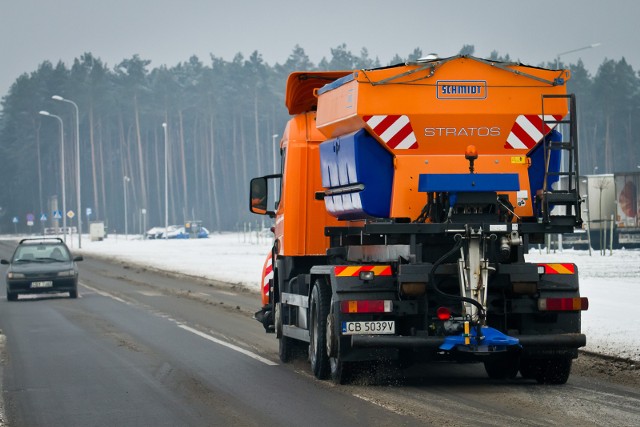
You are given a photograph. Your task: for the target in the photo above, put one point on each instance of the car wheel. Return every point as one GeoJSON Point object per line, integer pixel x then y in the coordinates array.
{"type": "Point", "coordinates": [73, 293]}
{"type": "Point", "coordinates": [12, 296]}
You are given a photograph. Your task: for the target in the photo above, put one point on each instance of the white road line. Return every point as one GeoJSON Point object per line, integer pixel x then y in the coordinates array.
{"type": "Point", "coordinates": [194, 331]}
{"type": "Point", "coordinates": [104, 294]}
{"type": "Point", "coordinates": [228, 345]}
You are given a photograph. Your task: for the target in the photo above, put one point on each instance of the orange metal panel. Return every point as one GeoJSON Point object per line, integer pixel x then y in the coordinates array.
{"type": "Point", "coordinates": [407, 201]}
{"type": "Point", "coordinates": [443, 121]}
{"type": "Point", "coordinates": [301, 219]}
{"type": "Point", "coordinates": [299, 96]}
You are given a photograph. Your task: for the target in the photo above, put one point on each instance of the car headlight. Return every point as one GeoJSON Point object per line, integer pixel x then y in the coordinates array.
{"type": "Point", "coordinates": [66, 273]}
{"type": "Point", "coordinates": [11, 275]}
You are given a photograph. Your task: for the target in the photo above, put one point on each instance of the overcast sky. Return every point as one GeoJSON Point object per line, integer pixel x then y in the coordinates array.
{"type": "Point", "coordinates": [170, 31]}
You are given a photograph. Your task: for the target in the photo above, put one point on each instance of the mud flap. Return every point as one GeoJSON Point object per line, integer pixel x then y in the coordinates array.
{"type": "Point", "coordinates": [265, 316]}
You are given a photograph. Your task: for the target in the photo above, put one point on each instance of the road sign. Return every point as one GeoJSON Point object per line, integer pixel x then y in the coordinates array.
{"type": "Point", "coordinates": [57, 215]}
{"type": "Point", "coordinates": [15, 220]}
{"type": "Point", "coordinates": [89, 211]}
{"type": "Point", "coordinates": [71, 214]}
{"type": "Point", "coordinates": [30, 217]}
{"type": "Point", "coordinates": [43, 217]}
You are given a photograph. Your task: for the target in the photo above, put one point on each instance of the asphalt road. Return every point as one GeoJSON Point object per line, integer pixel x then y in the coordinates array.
{"type": "Point", "coordinates": [143, 348]}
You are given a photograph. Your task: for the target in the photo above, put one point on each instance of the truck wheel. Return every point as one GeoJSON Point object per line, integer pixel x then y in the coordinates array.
{"type": "Point", "coordinates": [553, 371]}
{"type": "Point", "coordinates": [319, 309]}
{"type": "Point", "coordinates": [341, 371]}
{"type": "Point", "coordinates": [285, 349]}
{"type": "Point", "coordinates": [528, 369]}
{"type": "Point", "coordinates": [502, 368]}
{"type": "Point", "coordinates": [285, 344]}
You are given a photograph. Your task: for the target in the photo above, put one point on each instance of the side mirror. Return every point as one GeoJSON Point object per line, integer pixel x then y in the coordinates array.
{"type": "Point", "coordinates": [78, 258]}
{"type": "Point", "coordinates": [4, 261]}
{"type": "Point", "coordinates": [258, 196]}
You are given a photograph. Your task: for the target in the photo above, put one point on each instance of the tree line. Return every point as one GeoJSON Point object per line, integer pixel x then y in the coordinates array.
{"type": "Point", "coordinates": [221, 120]}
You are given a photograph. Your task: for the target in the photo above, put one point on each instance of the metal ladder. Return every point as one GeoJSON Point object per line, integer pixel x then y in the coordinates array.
{"type": "Point", "coordinates": [568, 196]}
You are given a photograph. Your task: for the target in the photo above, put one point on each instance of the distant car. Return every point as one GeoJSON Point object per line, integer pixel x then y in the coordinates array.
{"type": "Point", "coordinates": [177, 233]}
{"type": "Point", "coordinates": [155, 233]}
{"type": "Point", "coordinates": [203, 233]}
{"type": "Point", "coordinates": [41, 265]}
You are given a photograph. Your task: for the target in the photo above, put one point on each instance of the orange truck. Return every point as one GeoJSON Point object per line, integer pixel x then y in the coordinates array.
{"type": "Point", "coordinates": [407, 198]}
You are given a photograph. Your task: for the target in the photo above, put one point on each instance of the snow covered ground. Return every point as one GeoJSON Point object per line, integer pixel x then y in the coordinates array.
{"type": "Point", "coordinates": [611, 282]}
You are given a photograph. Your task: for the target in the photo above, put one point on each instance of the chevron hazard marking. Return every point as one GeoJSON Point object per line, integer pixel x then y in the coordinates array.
{"type": "Point", "coordinates": [394, 130]}
{"type": "Point", "coordinates": [528, 130]}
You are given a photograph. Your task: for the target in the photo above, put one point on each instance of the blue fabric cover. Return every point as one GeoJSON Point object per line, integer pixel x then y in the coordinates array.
{"type": "Point", "coordinates": [357, 158]}
{"type": "Point", "coordinates": [536, 170]}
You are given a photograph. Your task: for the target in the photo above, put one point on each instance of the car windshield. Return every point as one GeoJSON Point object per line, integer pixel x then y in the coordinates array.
{"type": "Point", "coordinates": [41, 253]}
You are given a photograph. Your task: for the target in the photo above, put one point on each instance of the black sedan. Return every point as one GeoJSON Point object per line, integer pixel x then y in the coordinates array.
{"type": "Point", "coordinates": [41, 265]}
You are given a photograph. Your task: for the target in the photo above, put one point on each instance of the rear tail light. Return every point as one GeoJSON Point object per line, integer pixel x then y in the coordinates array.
{"type": "Point", "coordinates": [443, 313]}
{"type": "Point", "coordinates": [367, 306]}
{"type": "Point", "coordinates": [563, 304]}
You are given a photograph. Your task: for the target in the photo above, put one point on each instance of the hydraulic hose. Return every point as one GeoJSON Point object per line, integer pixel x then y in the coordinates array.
{"type": "Point", "coordinates": [456, 247]}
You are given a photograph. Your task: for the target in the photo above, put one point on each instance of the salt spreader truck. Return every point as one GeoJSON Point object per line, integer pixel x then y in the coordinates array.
{"type": "Point", "coordinates": [407, 198]}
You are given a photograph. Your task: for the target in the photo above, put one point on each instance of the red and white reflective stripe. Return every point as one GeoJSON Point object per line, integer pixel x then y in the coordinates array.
{"type": "Point", "coordinates": [267, 275]}
{"type": "Point", "coordinates": [394, 130]}
{"type": "Point", "coordinates": [528, 130]}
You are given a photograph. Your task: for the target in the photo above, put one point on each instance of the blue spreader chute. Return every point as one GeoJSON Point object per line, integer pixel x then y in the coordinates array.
{"type": "Point", "coordinates": [491, 340]}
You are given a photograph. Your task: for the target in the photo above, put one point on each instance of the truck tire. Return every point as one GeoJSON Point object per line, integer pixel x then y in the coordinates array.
{"type": "Point", "coordinates": [502, 368]}
{"type": "Point", "coordinates": [319, 310]}
{"type": "Point", "coordinates": [528, 369]}
{"type": "Point", "coordinates": [341, 371]}
{"type": "Point", "coordinates": [285, 349]}
{"type": "Point", "coordinates": [553, 371]}
{"type": "Point", "coordinates": [547, 371]}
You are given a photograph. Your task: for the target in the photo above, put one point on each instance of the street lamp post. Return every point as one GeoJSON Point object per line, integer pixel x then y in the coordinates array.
{"type": "Point", "coordinates": [591, 46]}
{"type": "Point", "coordinates": [166, 181]}
{"type": "Point", "coordinates": [64, 203]}
{"type": "Point", "coordinates": [125, 180]}
{"type": "Point", "coordinates": [586, 211]}
{"type": "Point", "coordinates": [79, 212]}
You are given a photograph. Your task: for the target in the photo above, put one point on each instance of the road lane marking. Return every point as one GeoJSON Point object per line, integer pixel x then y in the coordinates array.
{"type": "Point", "coordinates": [104, 294]}
{"type": "Point", "coordinates": [228, 345]}
{"type": "Point", "coordinates": [193, 331]}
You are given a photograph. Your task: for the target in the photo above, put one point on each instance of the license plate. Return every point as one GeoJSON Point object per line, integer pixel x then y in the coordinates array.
{"type": "Point", "coordinates": [44, 284]}
{"type": "Point", "coordinates": [378, 327]}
